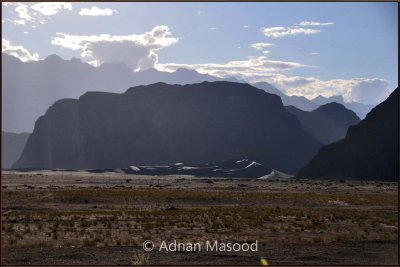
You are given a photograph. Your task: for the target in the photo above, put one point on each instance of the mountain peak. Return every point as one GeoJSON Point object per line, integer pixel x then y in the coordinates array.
{"type": "Point", "coordinates": [53, 58]}
{"type": "Point", "coordinates": [268, 88]}
{"type": "Point", "coordinates": [183, 70]}
{"type": "Point", "coordinates": [368, 152]}
{"type": "Point", "coordinates": [321, 100]}
{"type": "Point", "coordinates": [331, 106]}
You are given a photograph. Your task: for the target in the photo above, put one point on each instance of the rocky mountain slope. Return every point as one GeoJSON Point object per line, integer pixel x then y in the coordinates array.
{"type": "Point", "coordinates": [369, 151]}
{"type": "Point", "coordinates": [328, 123]}
{"type": "Point", "coordinates": [162, 124]}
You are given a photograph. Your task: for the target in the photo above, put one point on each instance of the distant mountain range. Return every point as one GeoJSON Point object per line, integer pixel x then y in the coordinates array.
{"type": "Point", "coordinates": [327, 123]}
{"type": "Point", "coordinates": [359, 108]}
{"type": "Point", "coordinates": [369, 151]}
{"type": "Point", "coordinates": [297, 101]}
{"type": "Point", "coordinates": [30, 88]}
{"type": "Point", "coordinates": [305, 104]}
{"type": "Point", "coordinates": [12, 145]}
{"type": "Point", "coordinates": [162, 124]}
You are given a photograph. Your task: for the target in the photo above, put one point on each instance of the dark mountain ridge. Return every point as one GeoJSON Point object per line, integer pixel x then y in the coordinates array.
{"type": "Point", "coordinates": [327, 123]}
{"type": "Point", "coordinates": [369, 152]}
{"type": "Point", "coordinates": [161, 124]}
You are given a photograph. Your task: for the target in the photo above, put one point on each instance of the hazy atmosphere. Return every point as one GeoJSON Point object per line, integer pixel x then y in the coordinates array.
{"type": "Point", "coordinates": [307, 49]}
{"type": "Point", "coordinates": [200, 133]}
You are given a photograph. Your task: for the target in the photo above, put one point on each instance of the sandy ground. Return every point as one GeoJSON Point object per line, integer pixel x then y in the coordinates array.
{"type": "Point", "coordinates": [82, 218]}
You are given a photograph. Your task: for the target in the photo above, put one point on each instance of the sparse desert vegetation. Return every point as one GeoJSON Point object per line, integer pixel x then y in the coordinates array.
{"type": "Point", "coordinates": [74, 218]}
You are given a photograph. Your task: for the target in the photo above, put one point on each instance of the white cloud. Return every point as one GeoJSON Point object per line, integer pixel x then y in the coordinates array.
{"type": "Point", "coordinates": [314, 53]}
{"type": "Point", "coordinates": [138, 51]}
{"type": "Point", "coordinates": [35, 13]}
{"type": "Point", "coordinates": [370, 91]}
{"type": "Point", "coordinates": [17, 51]}
{"type": "Point", "coordinates": [279, 32]}
{"type": "Point", "coordinates": [261, 46]}
{"type": "Point", "coordinates": [315, 23]}
{"type": "Point", "coordinates": [246, 26]}
{"type": "Point", "coordinates": [95, 11]}
{"type": "Point", "coordinates": [19, 22]}
{"type": "Point", "coordinates": [22, 11]}
{"type": "Point", "coordinates": [364, 90]}
{"type": "Point", "coordinates": [249, 69]}
{"type": "Point", "coordinates": [51, 8]}
{"type": "Point", "coordinates": [257, 69]}
{"type": "Point", "coordinates": [213, 28]}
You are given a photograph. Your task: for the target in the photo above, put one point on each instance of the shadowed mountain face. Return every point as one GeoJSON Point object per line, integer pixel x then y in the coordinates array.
{"type": "Point", "coordinates": [328, 123]}
{"type": "Point", "coordinates": [12, 145]}
{"type": "Point", "coordinates": [162, 124]}
{"type": "Point", "coordinates": [369, 151]}
{"type": "Point", "coordinates": [30, 88]}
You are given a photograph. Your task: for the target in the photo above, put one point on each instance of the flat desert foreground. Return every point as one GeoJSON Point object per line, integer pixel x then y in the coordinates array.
{"type": "Point", "coordinates": [81, 218]}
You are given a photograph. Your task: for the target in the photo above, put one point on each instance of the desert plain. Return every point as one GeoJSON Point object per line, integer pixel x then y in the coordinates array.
{"type": "Point", "coordinates": [81, 218]}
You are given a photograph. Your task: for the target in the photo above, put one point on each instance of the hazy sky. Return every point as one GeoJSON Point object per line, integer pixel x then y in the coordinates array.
{"type": "Point", "coordinates": [302, 48]}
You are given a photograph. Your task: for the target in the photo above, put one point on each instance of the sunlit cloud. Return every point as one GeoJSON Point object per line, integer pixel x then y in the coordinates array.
{"type": "Point", "coordinates": [51, 8]}
{"type": "Point", "coordinates": [261, 46]}
{"type": "Point", "coordinates": [138, 51]}
{"type": "Point", "coordinates": [95, 11]}
{"type": "Point", "coordinates": [297, 29]}
{"type": "Point", "coordinates": [18, 51]}
{"type": "Point", "coordinates": [279, 32]}
{"type": "Point", "coordinates": [315, 23]}
{"type": "Point", "coordinates": [36, 13]}
{"type": "Point", "coordinates": [246, 69]}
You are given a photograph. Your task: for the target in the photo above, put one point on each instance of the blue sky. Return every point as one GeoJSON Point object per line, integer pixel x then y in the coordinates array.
{"type": "Point", "coordinates": [303, 48]}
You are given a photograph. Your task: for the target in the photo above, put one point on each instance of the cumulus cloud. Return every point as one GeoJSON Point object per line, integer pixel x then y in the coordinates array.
{"type": "Point", "coordinates": [138, 51]}
{"type": "Point", "coordinates": [95, 11]}
{"type": "Point", "coordinates": [17, 51]}
{"type": "Point", "coordinates": [248, 69]}
{"type": "Point", "coordinates": [363, 90]}
{"type": "Point", "coordinates": [258, 69]}
{"type": "Point", "coordinates": [370, 91]}
{"type": "Point", "coordinates": [261, 46]}
{"type": "Point", "coordinates": [315, 23]}
{"type": "Point", "coordinates": [51, 8]}
{"type": "Point", "coordinates": [279, 32]}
